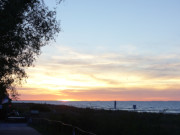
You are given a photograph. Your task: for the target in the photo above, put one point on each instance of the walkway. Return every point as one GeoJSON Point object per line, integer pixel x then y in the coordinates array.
{"type": "Point", "coordinates": [16, 129]}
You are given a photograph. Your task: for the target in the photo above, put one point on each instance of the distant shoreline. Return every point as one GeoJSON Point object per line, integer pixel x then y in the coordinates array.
{"type": "Point", "coordinates": [172, 107]}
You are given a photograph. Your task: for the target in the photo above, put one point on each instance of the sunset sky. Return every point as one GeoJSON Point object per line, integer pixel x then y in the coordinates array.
{"type": "Point", "coordinates": [110, 50]}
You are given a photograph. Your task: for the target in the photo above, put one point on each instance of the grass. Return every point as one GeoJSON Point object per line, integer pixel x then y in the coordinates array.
{"type": "Point", "coordinates": [106, 122]}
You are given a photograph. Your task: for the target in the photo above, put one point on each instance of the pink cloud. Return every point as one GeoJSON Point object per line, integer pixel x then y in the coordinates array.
{"type": "Point", "coordinates": [106, 94]}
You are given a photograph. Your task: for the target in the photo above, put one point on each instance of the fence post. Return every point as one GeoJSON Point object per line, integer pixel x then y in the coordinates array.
{"type": "Point", "coordinates": [74, 131]}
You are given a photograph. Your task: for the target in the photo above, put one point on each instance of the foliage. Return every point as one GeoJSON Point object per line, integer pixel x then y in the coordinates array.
{"type": "Point", "coordinates": [25, 26]}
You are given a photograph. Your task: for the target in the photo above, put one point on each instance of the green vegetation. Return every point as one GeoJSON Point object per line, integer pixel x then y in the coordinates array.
{"type": "Point", "coordinates": [106, 122]}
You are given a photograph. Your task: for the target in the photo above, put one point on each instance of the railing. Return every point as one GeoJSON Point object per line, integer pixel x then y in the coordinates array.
{"type": "Point", "coordinates": [57, 127]}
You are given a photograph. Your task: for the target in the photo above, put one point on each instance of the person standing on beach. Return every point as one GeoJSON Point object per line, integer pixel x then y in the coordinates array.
{"type": "Point", "coordinates": [114, 104]}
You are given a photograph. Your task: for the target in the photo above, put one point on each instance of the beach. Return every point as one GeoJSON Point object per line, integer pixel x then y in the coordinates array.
{"type": "Point", "coordinates": [106, 122]}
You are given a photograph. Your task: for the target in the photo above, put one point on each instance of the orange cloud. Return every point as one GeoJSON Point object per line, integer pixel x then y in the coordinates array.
{"type": "Point", "coordinates": [108, 94]}
{"type": "Point", "coordinates": [109, 76]}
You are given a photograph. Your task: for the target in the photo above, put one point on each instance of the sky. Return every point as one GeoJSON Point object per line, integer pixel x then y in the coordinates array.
{"type": "Point", "coordinates": [125, 50]}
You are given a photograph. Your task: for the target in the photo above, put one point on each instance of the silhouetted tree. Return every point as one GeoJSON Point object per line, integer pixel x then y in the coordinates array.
{"type": "Point", "coordinates": [25, 26]}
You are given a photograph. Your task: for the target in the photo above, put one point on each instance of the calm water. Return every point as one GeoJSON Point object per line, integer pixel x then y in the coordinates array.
{"type": "Point", "coordinates": [141, 106]}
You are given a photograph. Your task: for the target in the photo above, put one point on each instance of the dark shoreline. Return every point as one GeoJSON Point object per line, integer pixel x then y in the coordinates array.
{"type": "Point", "coordinates": [107, 122]}
{"type": "Point", "coordinates": [169, 107]}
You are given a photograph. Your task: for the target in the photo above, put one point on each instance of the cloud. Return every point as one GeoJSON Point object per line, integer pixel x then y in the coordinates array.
{"type": "Point", "coordinates": [108, 81]}
{"type": "Point", "coordinates": [70, 70]}
{"type": "Point", "coordinates": [122, 94]}
{"type": "Point", "coordinates": [149, 67]}
{"type": "Point", "coordinates": [103, 94]}
{"type": "Point", "coordinates": [42, 97]}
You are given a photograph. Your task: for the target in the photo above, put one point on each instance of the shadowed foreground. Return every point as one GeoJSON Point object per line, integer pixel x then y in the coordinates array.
{"type": "Point", "coordinates": [16, 129]}
{"type": "Point", "coordinates": [100, 122]}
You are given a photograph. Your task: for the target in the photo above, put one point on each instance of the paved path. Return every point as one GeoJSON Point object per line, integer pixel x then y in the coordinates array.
{"type": "Point", "coordinates": [16, 129]}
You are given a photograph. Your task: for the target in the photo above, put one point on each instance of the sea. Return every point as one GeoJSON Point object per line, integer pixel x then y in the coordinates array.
{"type": "Point", "coordinates": [172, 107]}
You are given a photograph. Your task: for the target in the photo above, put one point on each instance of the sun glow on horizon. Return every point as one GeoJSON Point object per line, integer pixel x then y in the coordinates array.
{"type": "Point", "coordinates": [83, 81]}
{"type": "Point", "coordinates": [66, 100]}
